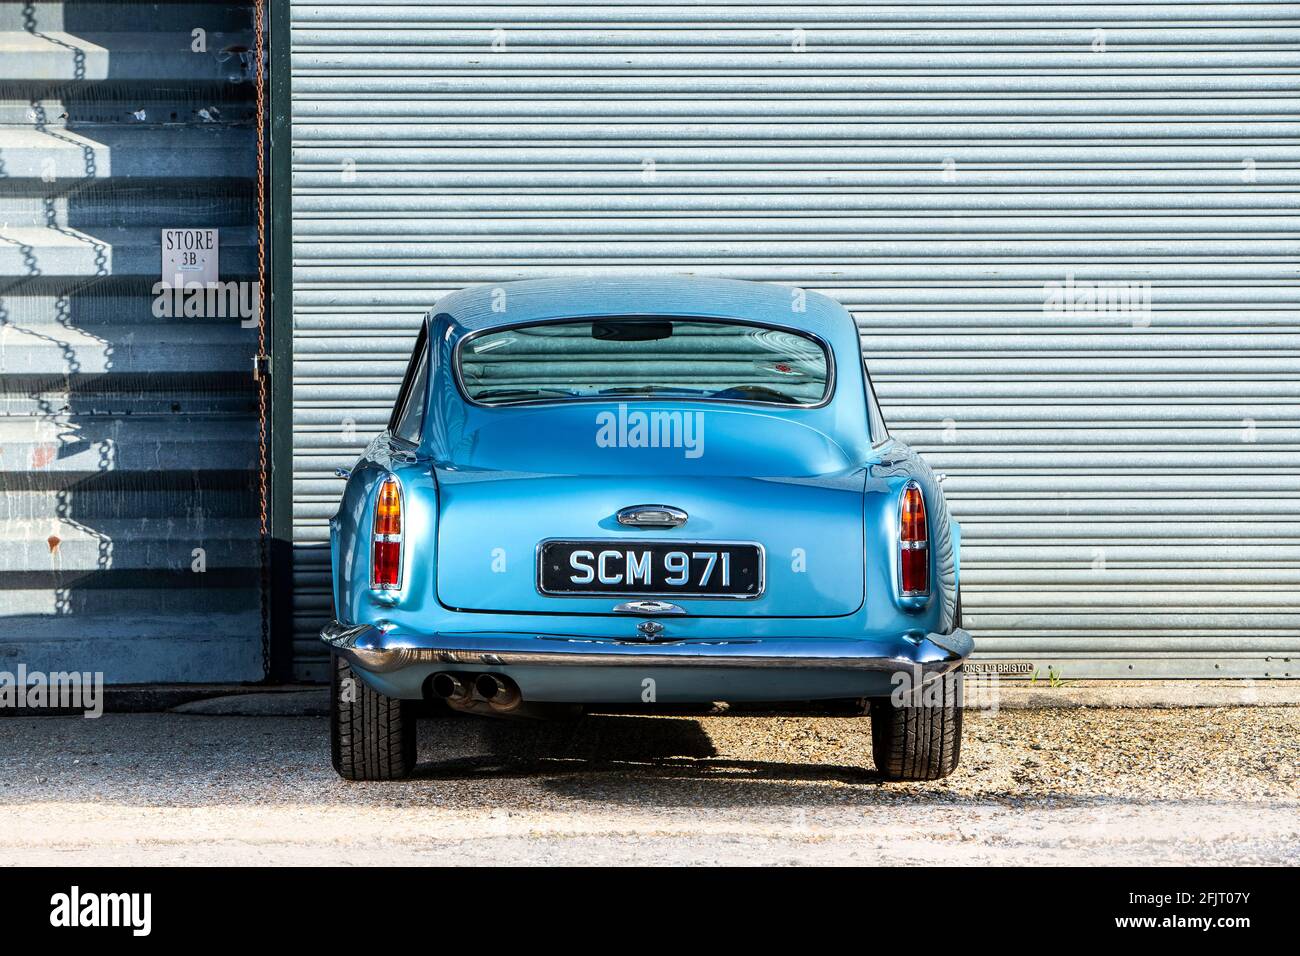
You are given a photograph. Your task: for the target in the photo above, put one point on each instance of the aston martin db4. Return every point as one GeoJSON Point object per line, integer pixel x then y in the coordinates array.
{"type": "Point", "coordinates": [642, 493]}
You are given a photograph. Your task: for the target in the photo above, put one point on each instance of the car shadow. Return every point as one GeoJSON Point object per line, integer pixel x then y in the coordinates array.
{"type": "Point", "coordinates": [635, 751]}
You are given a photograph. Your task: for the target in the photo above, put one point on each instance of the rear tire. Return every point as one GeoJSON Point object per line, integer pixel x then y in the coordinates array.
{"type": "Point", "coordinates": [921, 742]}
{"type": "Point", "coordinates": [372, 737]}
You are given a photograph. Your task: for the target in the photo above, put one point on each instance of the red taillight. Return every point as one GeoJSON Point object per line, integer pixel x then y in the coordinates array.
{"type": "Point", "coordinates": [913, 545]}
{"type": "Point", "coordinates": [386, 539]}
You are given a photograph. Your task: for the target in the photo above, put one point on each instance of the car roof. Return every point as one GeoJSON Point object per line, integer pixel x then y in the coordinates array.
{"type": "Point", "coordinates": [536, 300]}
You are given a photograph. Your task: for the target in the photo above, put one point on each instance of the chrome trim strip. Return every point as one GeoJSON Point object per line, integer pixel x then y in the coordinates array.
{"type": "Point", "coordinates": [641, 595]}
{"type": "Point", "coordinates": [955, 647]}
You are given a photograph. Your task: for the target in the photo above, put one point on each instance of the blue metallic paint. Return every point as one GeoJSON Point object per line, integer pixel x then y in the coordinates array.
{"type": "Point", "coordinates": [510, 477]}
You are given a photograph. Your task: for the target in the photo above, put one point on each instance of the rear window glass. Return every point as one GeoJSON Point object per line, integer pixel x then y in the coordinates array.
{"type": "Point", "coordinates": [411, 418]}
{"type": "Point", "coordinates": [644, 357]}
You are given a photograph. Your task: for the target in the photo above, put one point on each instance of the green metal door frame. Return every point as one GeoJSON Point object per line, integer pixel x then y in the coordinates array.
{"type": "Point", "coordinates": [281, 371]}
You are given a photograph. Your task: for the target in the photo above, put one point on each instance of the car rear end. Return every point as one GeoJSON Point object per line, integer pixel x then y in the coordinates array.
{"type": "Point", "coordinates": [705, 515]}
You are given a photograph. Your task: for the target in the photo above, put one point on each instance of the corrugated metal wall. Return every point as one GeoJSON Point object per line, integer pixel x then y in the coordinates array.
{"type": "Point", "coordinates": [1127, 478]}
{"type": "Point", "coordinates": [126, 441]}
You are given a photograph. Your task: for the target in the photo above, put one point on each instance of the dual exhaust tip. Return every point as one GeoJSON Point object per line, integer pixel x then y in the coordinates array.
{"type": "Point", "coordinates": [465, 690]}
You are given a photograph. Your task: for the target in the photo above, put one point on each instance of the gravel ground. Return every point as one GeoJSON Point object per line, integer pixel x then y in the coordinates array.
{"type": "Point", "coordinates": [1211, 785]}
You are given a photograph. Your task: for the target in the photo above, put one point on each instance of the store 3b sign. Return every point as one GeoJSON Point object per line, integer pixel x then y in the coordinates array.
{"type": "Point", "coordinates": [189, 256]}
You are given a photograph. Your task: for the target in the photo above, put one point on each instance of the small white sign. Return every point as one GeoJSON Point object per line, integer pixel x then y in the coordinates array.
{"type": "Point", "coordinates": [998, 667]}
{"type": "Point", "coordinates": [190, 254]}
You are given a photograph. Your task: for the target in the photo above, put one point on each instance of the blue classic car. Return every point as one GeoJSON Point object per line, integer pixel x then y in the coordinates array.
{"type": "Point", "coordinates": [640, 493]}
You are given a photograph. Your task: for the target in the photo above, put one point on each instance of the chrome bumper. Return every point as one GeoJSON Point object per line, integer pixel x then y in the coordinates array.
{"type": "Point", "coordinates": [379, 650]}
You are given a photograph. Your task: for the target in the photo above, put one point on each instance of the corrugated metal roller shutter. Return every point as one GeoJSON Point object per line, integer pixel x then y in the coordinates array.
{"type": "Point", "coordinates": [128, 439]}
{"type": "Point", "coordinates": [1127, 480]}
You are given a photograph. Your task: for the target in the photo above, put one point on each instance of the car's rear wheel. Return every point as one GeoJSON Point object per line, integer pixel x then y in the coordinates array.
{"type": "Point", "coordinates": [372, 737]}
{"type": "Point", "coordinates": [920, 740]}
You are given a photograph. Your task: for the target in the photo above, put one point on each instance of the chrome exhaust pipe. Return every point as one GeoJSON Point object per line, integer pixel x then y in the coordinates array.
{"type": "Point", "coordinates": [500, 692]}
{"type": "Point", "coordinates": [450, 688]}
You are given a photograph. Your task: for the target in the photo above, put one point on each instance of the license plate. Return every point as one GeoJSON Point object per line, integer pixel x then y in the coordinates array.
{"type": "Point", "coordinates": [660, 568]}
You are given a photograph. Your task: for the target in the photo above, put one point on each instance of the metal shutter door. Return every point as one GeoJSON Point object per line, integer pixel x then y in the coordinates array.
{"type": "Point", "coordinates": [128, 438]}
{"type": "Point", "coordinates": [1127, 484]}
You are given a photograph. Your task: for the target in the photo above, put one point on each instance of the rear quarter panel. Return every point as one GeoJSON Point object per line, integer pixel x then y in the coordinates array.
{"type": "Point", "coordinates": [354, 601]}
{"type": "Point", "coordinates": [898, 464]}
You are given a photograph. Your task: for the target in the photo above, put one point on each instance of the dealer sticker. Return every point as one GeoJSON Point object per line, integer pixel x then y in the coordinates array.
{"type": "Point", "coordinates": [998, 667]}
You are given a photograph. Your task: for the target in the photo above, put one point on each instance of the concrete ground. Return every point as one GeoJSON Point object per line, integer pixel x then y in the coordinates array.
{"type": "Point", "coordinates": [1052, 786]}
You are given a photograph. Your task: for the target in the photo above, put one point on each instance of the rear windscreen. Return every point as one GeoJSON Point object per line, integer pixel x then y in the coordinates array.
{"type": "Point", "coordinates": [648, 357]}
